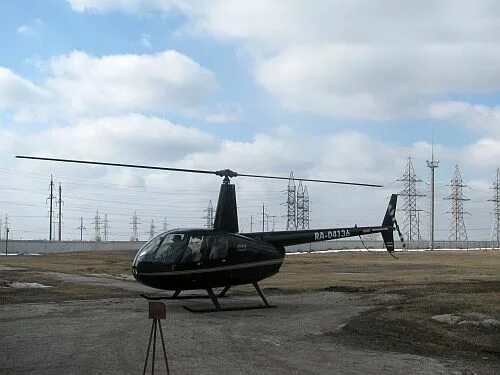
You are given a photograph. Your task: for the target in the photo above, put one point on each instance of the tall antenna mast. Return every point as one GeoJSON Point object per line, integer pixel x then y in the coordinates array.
{"type": "Point", "coordinates": [432, 165]}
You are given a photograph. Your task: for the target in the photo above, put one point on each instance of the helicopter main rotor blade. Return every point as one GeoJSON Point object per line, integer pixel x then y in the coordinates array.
{"type": "Point", "coordinates": [221, 173]}
{"type": "Point", "coordinates": [117, 164]}
{"type": "Point", "coordinates": [310, 180]}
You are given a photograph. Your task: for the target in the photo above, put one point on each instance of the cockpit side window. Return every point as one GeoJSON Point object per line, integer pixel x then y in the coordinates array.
{"type": "Point", "coordinates": [219, 248]}
{"type": "Point", "coordinates": [150, 249]}
{"type": "Point", "coordinates": [172, 248]}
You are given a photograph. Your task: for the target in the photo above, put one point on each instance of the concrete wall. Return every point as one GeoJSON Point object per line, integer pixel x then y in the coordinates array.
{"type": "Point", "coordinates": [42, 247]}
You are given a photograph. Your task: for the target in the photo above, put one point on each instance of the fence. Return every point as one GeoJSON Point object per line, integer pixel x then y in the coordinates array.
{"type": "Point", "coordinates": [43, 247]}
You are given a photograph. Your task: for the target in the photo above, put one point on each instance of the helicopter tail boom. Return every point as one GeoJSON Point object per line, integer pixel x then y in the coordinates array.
{"type": "Point", "coordinates": [288, 238]}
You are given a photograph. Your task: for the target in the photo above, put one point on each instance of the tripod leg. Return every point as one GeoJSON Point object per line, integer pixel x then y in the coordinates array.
{"type": "Point", "coordinates": [224, 291]}
{"type": "Point", "coordinates": [164, 350]}
{"type": "Point", "coordinates": [149, 347]}
{"type": "Point", "coordinates": [214, 298]}
{"type": "Point", "coordinates": [260, 293]}
{"type": "Point", "coordinates": [154, 349]}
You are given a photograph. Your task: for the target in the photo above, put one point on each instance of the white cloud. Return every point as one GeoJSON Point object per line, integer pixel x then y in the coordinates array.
{"type": "Point", "coordinates": [32, 29]}
{"type": "Point", "coordinates": [224, 114]}
{"type": "Point", "coordinates": [374, 60]}
{"type": "Point", "coordinates": [81, 84]}
{"type": "Point", "coordinates": [17, 93]}
{"type": "Point", "coordinates": [128, 6]}
{"type": "Point", "coordinates": [478, 117]}
{"type": "Point", "coordinates": [165, 81]}
{"type": "Point", "coordinates": [136, 138]}
{"type": "Point", "coordinates": [484, 153]}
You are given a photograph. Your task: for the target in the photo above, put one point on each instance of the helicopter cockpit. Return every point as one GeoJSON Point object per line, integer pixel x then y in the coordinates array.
{"type": "Point", "coordinates": [172, 248]}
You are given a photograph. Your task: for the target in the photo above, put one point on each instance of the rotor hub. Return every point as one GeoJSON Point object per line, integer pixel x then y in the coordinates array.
{"type": "Point", "coordinates": [227, 174]}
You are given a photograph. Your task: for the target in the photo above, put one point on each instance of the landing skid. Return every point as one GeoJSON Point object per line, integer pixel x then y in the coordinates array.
{"type": "Point", "coordinates": [218, 307]}
{"type": "Point", "coordinates": [175, 296]}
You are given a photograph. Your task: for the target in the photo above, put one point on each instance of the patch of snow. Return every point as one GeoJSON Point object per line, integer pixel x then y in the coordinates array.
{"type": "Point", "coordinates": [469, 319]}
{"type": "Point", "coordinates": [18, 285]}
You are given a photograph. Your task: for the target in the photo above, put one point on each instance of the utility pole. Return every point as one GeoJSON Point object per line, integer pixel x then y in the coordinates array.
{"type": "Point", "coordinates": [51, 213]}
{"type": "Point", "coordinates": [251, 223]}
{"type": "Point", "coordinates": [60, 202]}
{"type": "Point", "coordinates": [7, 230]}
{"type": "Point", "coordinates": [0, 228]}
{"type": "Point", "coordinates": [6, 224]}
{"type": "Point", "coordinates": [495, 230]}
{"type": "Point", "coordinates": [432, 165]}
{"type": "Point", "coordinates": [273, 218]}
{"type": "Point", "coordinates": [165, 224]}
{"type": "Point", "coordinates": [263, 217]}
{"type": "Point", "coordinates": [81, 227]}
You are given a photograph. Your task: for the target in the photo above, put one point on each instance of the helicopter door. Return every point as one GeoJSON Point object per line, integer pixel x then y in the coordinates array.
{"type": "Point", "coordinates": [218, 249]}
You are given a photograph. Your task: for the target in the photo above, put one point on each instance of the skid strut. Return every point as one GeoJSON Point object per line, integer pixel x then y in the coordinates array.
{"type": "Point", "coordinates": [218, 307]}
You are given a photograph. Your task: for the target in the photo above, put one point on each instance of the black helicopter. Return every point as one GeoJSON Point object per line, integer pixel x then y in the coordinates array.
{"type": "Point", "coordinates": [190, 259]}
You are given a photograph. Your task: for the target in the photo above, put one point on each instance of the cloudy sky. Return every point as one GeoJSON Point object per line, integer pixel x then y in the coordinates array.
{"type": "Point", "coordinates": [345, 90]}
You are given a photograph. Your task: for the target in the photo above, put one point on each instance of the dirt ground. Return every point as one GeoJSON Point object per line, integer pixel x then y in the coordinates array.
{"type": "Point", "coordinates": [340, 312]}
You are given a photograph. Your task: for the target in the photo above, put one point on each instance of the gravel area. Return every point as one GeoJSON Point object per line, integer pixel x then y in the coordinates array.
{"type": "Point", "coordinates": [110, 336]}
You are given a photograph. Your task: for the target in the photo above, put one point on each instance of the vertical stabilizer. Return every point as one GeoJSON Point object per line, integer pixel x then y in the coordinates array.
{"type": "Point", "coordinates": [226, 214]}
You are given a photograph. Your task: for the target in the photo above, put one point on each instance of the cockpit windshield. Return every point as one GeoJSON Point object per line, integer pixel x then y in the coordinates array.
{"type": "Point", "coordinates": [172, 248]}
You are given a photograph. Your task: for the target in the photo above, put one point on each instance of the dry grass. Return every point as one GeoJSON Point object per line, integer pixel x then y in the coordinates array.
{"type": "Point", "coordinates": [426, 283]}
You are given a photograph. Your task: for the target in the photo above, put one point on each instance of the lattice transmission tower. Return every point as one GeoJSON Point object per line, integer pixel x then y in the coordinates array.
{"type": "Point", "coordinates": [97, 227]}
{"type": "Point", "coordinates": [457, 230]}
{"type": "Point", "coordinates": [300, 206]}
{"type": "Point", "coordinates": [152, 228]}
{"type": "Point", "coordinates": [106, 227]}
{"type": "Point", "coordinates": [210, 215]}
{"type": "Point", "coordinates": [411, 222]}
{"type": "Point", "coordinates": [306, 208]}
{"type": "Point", "coordinates": [495, 230]}
{"type": "Point", "coordinates": [291, 203]}
{"type": "Point", "coordinates": [135, 226]}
